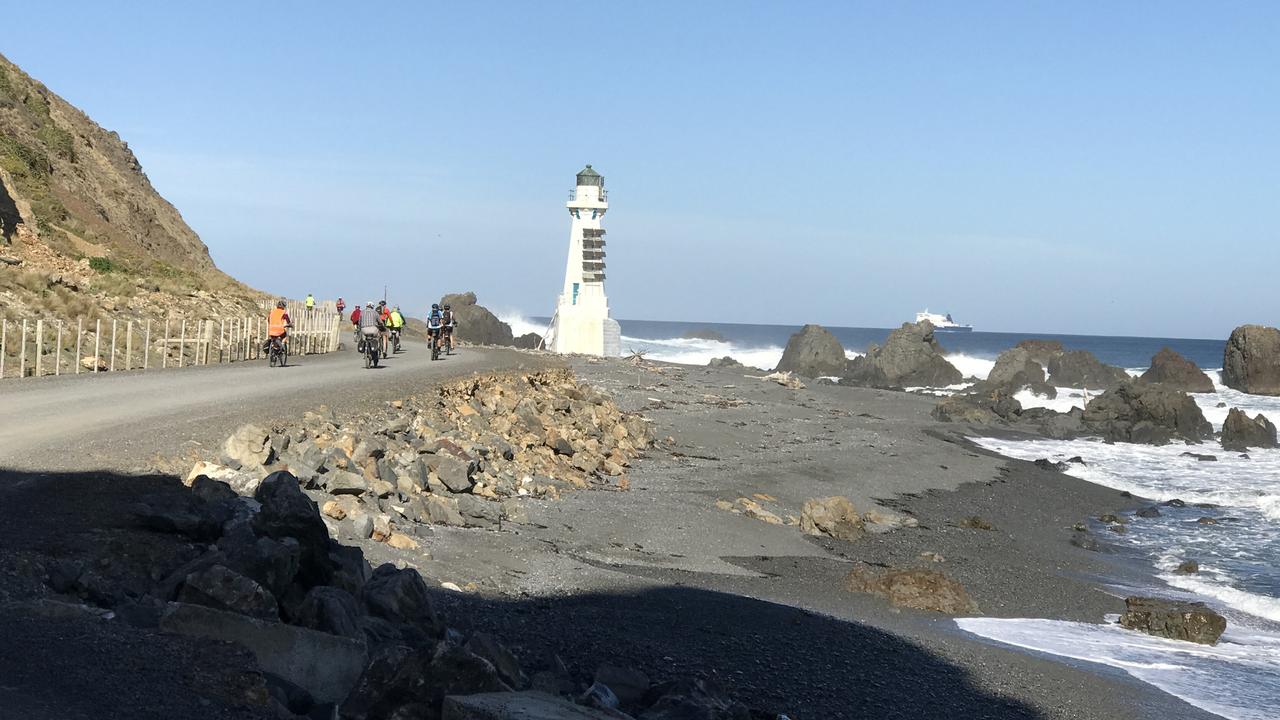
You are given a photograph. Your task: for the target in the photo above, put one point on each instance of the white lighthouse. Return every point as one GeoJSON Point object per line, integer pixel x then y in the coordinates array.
{"type": "Point", "coordinates": [582, 323]}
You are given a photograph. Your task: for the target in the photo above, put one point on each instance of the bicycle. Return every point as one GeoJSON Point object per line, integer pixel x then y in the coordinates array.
{"type": "Point", "coordinates": [369, 347]}
{"type": "Point", "coordinates": [395, 340]}
{"type": "Point", "coordinates": [435, 343]}
{"type": "Point", "coordinates": [277, 352]}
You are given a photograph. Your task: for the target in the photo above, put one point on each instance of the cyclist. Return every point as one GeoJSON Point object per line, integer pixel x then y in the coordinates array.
{"type": "Point", "coordinates": [384, 315]}
{"type": "Point", "coordinates": [447, 323]}
{"type": "Point", "coordinates": [435, 323]}
{"type": "Point", "coordinates": [340, 305]}
{"type": "Point", "coordinates": [278, 324]}
{"type": "Point", "coordinates": [395, 322]}
{"type": "Point", "coordinates": [369, 324]}
{"type": "Point", "coordinates": [311, 302]}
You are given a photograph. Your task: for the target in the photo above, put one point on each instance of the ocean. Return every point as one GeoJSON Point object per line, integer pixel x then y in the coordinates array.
{"type": "Point", "coordinates": [1230, 524]}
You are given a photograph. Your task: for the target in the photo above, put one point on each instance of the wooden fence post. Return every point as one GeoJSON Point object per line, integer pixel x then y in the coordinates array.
{"type": "Point", "coordinates": [4, 341]}
{"type": "Point", "coordinates": [182, 345]}
{"type": "Point", "coordinates": [164, 357]}
{"type": "Point", "coordinates": [111, 367]}
{"type": "Point", "coordinates": [128, 345]}
{"type": "Point", "coordinates": [79, 342]}
{"type": "Point", "coordinates": [39, 346]}
{"type": "Point", "coordinates": [22, 352]}
{"type": "Point", "coordinates": [146, 347]}
{"type": "Point", "coordinates": [57, 357]}
{"type": "Point", "coordinates": [222, 329]}
{"type": "Point", "coordinates": [97, 344]}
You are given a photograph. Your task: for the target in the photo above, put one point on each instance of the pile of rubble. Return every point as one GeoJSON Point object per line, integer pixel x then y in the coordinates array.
{"type": "Point", "coordinates": [464, 454]}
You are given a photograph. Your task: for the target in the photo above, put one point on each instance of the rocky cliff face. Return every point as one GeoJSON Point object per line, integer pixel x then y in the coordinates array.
{"type": "Point", "coordinates": [75, 204]}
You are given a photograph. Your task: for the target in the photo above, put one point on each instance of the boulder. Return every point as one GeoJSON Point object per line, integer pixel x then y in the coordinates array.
{"type": "Point", "coordinates": [343, 482]}
{"type": "Point", "coordinates": [1241, 432]}
{"type": "Point", "coordinates": [832, 516]}
{"type": "Point", "coordinates": [1139, 412]}
{"type": "Point", "coordinates": [978, 408]}
{"type": "Point", "coordinates": [704, 334]}
{"type": "Point", "coordinates": [454, 473]}
{"type": "Point", "coordinates": [529, 341]}
{"type": "Point", "coordinates": [476, 325]}
{"type": "Point", "coordinates": [1174, 619]}
{"type": "Point", "coordinates": [288, 513]}
{"type": "Point", "coordinates": [273, 564]}
{"type": "Point", "coordinates": [1080, 369]}
{"type": "Point", "coordinates": [1251, 360]}
{"type": "Point", "coordinates": [725, 362]}
{"type": "Point", "coordinates": [1041, 351]}
{"type": "Point", "coordinates": [691, 698]}
{"type": "Point", "coordinates": [1016, 369]}
{"type": "Point", "coordinates": [531, 705]}
{"type": "Point", "coordinates": [243, 483]}
{"type": "Point", "coordinates": [249, 446]}
{"type": "Point", "coordinates": [486, 646]}
{"type": "Point", "coordinates": [628, 684]}
{"type": "Point", "coordinates": [911, 357]}
{"type": "Point", "coordinates": [917, 589]}
{"type": "Point", "coordinates": [1170, 369]}
{"type": "Point", "coordinates": [813, 352]}
{"type": "Point", "coordinates": [329, 609]}
{"type": "Point", "coordinates": [220, 588]}
{"type": "Point", "coordinates": [401, 596]}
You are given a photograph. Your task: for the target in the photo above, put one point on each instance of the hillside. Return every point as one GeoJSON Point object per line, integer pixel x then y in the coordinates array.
{"type": "Point", "coordinates": [82, 231]}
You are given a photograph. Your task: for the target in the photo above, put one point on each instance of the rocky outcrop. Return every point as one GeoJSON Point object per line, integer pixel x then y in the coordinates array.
{"type": "Point", "coordinates": [1251, 360]}
{"type": "Point", "coordinates": [1170, 369]}
{"type": "Point", "coordinates": [1041, 351]}
{"type": "Point", "coordinates": [476, 325]}
{"type": "Point", "coordinates": [1139, 412]}
{"type": "Point", "coordinates": [1241, 432]}
{"type": "Point", "coordinates": [529, 341]}
{"type": "Point", "coordinates": [813, 352]}
{"type": "Point", "coordinates": [1080, 369]}
{"type": "Point", "coordinates": [928, 590]}
{"type": "Point", "coordinates": [725, 362]}
{"type": "Point", "coordinates": [704, 334]}
{"type": "Point", "coordinates": [978, 408]}
{"type": "Point", "coordinates": [911, 357]}
{"type": "Point", "coordinates": [1190, 621]}
{"type": "Point", "coordinates": [1016, 369]}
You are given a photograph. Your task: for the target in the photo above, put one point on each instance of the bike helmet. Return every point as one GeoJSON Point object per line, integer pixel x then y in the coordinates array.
{"type": "Point", "coordinates": [369, 304]}
{"type": "Point", "coordinates": [280, 304]}
{"type": "Point", "coordinates": [446, 307]}
{"type": "Point", "coordinates": [435, 306]}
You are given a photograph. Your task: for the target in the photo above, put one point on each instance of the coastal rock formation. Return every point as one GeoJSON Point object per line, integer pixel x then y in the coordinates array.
{"type": "Point", "coordinates": [928, 590]}
{"type": "Point", "coordinates": [1240, 432]}
{"type": "Point", "coordinates": [1041, 351]}
{"type": "Point", "coordinates": [1191, 621]}
{"type": "Point", "coordinates": [978, 408]}
{"type": "Point", "coordinates": [1080, 369]}
{"type": "Point", "coordinates": [1016, 369]}
{"type": "Point", "coordinates": [704, 334]}
{"type": "Point", "coordinates": [1170, 369]}
{"type": "Point", "coordinates": [725, 362]}
{"type": "Point", "coordinates": [813, 352]}
{"type": "Point", "coordinates": [529, 341]}
{"type": "Point", "coordinates": [1251, 361]}
{"type": "Point", "coordinates": [911, 357]}
{"type": "Point", "coordinates": [476, 325]}
{"type": "Point", "coordinates": [1139, 412]}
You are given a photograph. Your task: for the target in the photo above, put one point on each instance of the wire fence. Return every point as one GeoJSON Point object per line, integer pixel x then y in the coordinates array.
{"type": "Point", "coordinates": [40, 346]}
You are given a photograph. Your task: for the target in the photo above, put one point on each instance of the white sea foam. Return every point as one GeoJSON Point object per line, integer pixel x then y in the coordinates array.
{"type": "Point", "coordinates": [692, 351]}
{"type": "Point", "coordinates": [521, 325]}
{"type": "Point", "coordinates": [970, 366]}
{"type": "Point", "coordinates": [1239, 678]}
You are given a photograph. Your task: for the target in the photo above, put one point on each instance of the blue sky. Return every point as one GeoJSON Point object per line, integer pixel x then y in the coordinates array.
{"type": "Point", "coordinates": [1107, 168]}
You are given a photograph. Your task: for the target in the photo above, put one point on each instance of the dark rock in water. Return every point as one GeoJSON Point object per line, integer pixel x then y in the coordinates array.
{"type": "Point", "coordinates": [813, 352]}
{"type": "Point", "coordinates": [1118, 529]}
{"type": "Point", "coordinates": [1170, 369]}
{"type": "Point", "coordinates": [1080, 369]}
{"type": "Point", "coordinates": [1148, 512]}
{"type": "Point", "coordinates": [917, 589]}
{"type": "Point", "coordinates": [1016, 369]}
{"type": "Point", "coordinates": [1056, 425]}
{"type": "Point", "coordinates": [1085, 541]}
{"type": "Point", "coordinates": [475, 323]}
{"type": "Point", "coordinates": [1206, 520]}
{"type": "Point", "coordinates": [1041, 351]}
{"type": "Point", "coordinates": [1240, 432]}
{"type": "Point", "coordinates": [1143, 413]}
{"type": "Point", "coordinates": [1047, 464]}
{"type": "Point", "coordinates": [704, 334]}
{"type": "Point", "coordinates": [725, 362]}
{"type": "Point", "coordinates": [1251, 360]}
{"type": "Point", "coordinates": [1201, 457]}
{"type": "Point", "coordinates": [529, 341]}
{"type": "Point", "coordinates": [983, 408]}
{"type": "Point", "coordinates": [1175, 503]}
{"type": "Point", "coordinates": [911, 357]}
{"type": "Point", "coordinates": [1191, 621]}
{"type": "Point", "coordinates": [1187, 567]}
{"type": "Point", "coordinates": [222, 589]}
{"type": "Point", "coordinates": [1076, 460]}
{"type": "Point", "coordinates": [1112, 518]}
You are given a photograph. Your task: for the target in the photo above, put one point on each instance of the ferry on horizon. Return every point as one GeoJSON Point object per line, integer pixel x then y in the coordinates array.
{"type": "Point", "coordinates": [942, 323]}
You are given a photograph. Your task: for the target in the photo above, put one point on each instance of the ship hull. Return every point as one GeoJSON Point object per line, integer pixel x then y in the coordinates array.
{"type": "Point", "coordinates": [958, 329]}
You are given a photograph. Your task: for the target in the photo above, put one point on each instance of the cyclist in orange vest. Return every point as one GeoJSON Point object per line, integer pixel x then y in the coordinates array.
{"type": "Point", "coordinates": [278, 324]}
